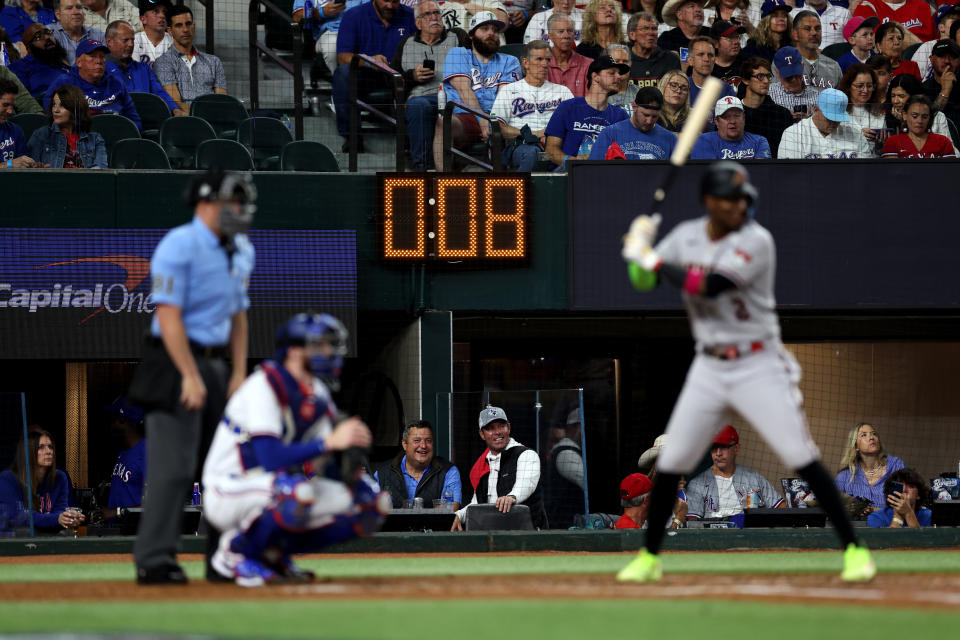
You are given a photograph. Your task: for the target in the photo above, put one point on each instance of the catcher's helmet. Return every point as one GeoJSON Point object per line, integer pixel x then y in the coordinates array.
{"type": "Point", "coordinates": [305, 329]}
{"type": "Point", "coordinates": [727, 179]}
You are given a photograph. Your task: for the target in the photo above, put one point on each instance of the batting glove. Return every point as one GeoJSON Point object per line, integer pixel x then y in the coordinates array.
{"type": "Point", "coordinates": [644, 229]}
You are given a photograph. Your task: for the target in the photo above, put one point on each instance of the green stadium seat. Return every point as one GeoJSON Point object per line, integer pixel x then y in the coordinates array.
{"type": "Point", "coordinates": [265, 138]}
{"type": "Point", "coordinates": [153, 112]}
{"type": "Point", "coordinates": [29, 122]}
{"type": "Point", "coordinates": [138, 153]}
{"type": "Point", "coordinates": [113, 127]}
{"type": "Point", "coordinates": [228, 155]}
{"type": "Point", "coordinates": [222, 111]}
{"type": "Point", "coordinates": [306, 155]}
{"type": "Point", "coordinates": [180, 137]}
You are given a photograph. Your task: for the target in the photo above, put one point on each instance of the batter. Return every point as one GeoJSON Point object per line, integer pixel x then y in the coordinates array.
{"type": "Point", "coordinates": [724, 264]}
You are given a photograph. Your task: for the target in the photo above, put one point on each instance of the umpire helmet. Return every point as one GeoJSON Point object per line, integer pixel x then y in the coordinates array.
{"type": "Point", "coordinates": [726, 179]}
{"type": "Point", "coordinates": [305, 329]}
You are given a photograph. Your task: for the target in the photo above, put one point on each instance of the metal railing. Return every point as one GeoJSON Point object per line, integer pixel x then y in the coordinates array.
{"type": "Point", "coordinates": [399, 122]}
{"type": "Point", "coordinates": [295, 69]}
{"type": "Point", "coordinates": [208, 29]}
{"type": "Point", "coordinates": [496, 139]}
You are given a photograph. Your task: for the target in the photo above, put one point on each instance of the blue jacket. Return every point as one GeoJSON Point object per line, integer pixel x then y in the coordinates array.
{"type": "Point", "coordinates": [49, 146]}
{"type": "Point", "coordinates": [15, 20]}
{"type": "Point", "coordinates": [109, 96]}
{"type": "Point", "coordinates": [138, 76]}
{"type": "Point", "coordinates": [53, 500]}
{"type": "Point", "coordinates": [35, 75]}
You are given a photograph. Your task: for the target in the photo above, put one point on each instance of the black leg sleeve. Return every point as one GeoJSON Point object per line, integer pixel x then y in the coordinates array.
{"type": "Point", "coordinates": [829, 499]}
{"type": "Point", "coordinates": [664, 496]}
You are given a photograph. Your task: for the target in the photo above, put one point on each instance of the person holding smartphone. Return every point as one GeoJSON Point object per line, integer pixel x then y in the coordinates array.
{"type": "Point", "coordinates": [791, 93]}
{"type": "Point", "coordinates": [906, 493]}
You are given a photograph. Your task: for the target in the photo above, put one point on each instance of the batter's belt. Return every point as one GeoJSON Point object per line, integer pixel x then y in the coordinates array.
{"type": "Point", "coordinates": [732, 351]}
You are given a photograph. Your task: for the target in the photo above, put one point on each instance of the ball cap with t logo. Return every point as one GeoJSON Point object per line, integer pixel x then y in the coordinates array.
{"type": "Point", "coordinates": [491, 414]}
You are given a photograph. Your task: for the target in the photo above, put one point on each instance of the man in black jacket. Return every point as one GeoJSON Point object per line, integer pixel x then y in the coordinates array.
{"type": "Point", "coordinates": [512, 472]}
{"type": "Point", "coordinates": [417, 473]}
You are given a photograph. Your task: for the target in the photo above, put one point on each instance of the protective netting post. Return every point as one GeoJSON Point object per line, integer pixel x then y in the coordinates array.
{"type": "Point", "coordinates": [75, 440]}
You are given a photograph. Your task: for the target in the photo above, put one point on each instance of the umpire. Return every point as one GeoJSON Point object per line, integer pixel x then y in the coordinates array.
{"type": "Point", "coordinates": [199, 272]}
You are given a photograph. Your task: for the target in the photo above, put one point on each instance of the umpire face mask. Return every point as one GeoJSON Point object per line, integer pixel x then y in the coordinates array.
{"type": "Point", "coordinates": [237, 196]}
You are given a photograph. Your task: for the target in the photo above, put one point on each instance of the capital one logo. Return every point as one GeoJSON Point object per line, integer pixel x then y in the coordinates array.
{"type": "Point", "coordinates": [114, 297]}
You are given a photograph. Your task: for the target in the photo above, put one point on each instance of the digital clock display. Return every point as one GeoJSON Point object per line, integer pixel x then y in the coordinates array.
{"type": "Point", "coordinates": [461, 218]}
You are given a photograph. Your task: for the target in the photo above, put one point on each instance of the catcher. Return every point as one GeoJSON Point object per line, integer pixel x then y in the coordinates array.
{"type": "Point", "coordinates": [256, 492]}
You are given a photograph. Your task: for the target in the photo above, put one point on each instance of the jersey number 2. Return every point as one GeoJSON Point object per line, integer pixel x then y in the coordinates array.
{"type": "Point", "coordinates": [740, 309]}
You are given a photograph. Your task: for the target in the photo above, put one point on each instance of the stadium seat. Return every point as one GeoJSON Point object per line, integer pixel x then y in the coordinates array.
{"type": "Point", "coordinates": [222, 111]}
{"type": "Point", "coordinates": [218, 153]}
{"type": "Point", "coordinates": [138, 153]}
{"type": "Point", "coordinates": [180, 136]}
{"type": "Point", "coordinates": [29, 122]}
{"type": "Point", "coordinates": [909, 51]}
{"type": "Point", "coordinates": [153, 111]}
{"type": "Point", "coordinates": [513, 49]}
{"type": "Point", "coordinates": [264, 137]}
{"type": "Point", "coordinates": [114, 127]}
{"type": "Point", "coordinates": [306, 155]}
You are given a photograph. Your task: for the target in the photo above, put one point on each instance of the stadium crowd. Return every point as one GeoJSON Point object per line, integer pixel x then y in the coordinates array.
{"type": "Point", "coordinates": [841, 79]}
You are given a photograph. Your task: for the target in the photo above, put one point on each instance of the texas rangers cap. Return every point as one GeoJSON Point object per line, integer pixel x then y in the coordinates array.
{"type": "Point", "coordinates": [485, 17]}
{"type": "Point", "coordinates": [724, 29]}
{"type": "Point", "coordinates": [788, 62]}
{"type": "Point", "coordinates": [946, 47]}
{"type": "Point", "coordinates": [122, 407]}
{"type": "Point", "coordinates": [727, 437]}
{"type": "Point", "coordinates": [648, 457]}
{"type": "Point", "coordinates": [726, 103]}
{"type": "Point", "coordinates": [769, 6]}
{"type": "Point", "coordinates": [150, 5]}
{"type": "Point", "coordinates": [649, 98]}
{"type": "Point", "coordinates": [635, 484]}
{"type": "Point", "coordinates": [607, 62]}
{"type": "Point", "coordinates": [947, 10]}
{"type": "Point", "coordinates": [89, 46]}
{"type": "Point", "coordinates": [833, 104]}
{"type": "Point", "coordinates": [491, 414]}
{"type": "Point", "coordinates": [857, 23]}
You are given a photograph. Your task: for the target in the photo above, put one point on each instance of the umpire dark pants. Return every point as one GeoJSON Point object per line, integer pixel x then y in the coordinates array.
{"type": "Point", "coordinates": [175, 440]}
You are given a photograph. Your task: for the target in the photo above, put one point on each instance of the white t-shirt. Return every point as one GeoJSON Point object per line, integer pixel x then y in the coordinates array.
{"type": "Point", "coordinates": [922, 57]}
{"type": "Point", "coordinates": [804, 140]}
{"type": "Point", "coordinates": [832, 21]}
{"type": "Point", "coordinates": [144, 51]}
{"type": "Point", "coordinates": [746, 257]}
{"type": "Point", "coordinates": [729, 500]}
{"type": "Point", "coordinates": [537, 27]}
{"type": "Point", "coordinates": [520, 103]}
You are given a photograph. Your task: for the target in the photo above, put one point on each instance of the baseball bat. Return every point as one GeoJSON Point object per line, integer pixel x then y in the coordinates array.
{"type": "Point", "coordinates": [692, 128]}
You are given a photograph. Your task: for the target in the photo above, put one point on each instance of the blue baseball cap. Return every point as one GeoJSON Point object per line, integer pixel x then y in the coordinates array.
{"type": "Point", "coordinates": [769, 6]}
{"type": "Point", "coordinates": [89, 46]}
{"type": "Point", "coordinates": [788, 61]}
{"type": "Point", "coordinates": [951, 9]}
{"type": "Point", "coordinates": [833, 104]}
{"type": "Point", "coordinates": [123, 408]}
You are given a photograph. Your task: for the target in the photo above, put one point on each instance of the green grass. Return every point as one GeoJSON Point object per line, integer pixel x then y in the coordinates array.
{"type": "Point", "coordinates": [482, 620]}
{"type": "Point", "coordinates": [706, 562]}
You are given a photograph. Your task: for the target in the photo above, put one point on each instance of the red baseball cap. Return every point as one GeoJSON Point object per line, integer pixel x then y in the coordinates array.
{"type": "Point", "coordinates": [635, 484]}
{"type": "Point", "coordinates": [727, 437]}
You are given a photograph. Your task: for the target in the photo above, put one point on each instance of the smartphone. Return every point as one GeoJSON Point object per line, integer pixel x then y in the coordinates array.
{"type": "Point", "coordinates": [896, 487]}
{"type": "Point", "coordinates": [684, 54]}
{"type": "Point", "coordinates": [799, 108]}
{"type": "Point", "coordinates": [429, 64]}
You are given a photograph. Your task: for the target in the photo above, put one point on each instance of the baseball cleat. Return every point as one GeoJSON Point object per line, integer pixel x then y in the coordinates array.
{"type": "Point", "coordinates": [858, 566]}
{"type": "Point", "coordinates": [644, 568]}
{"type": "Point", "coordinates": [252, 573]}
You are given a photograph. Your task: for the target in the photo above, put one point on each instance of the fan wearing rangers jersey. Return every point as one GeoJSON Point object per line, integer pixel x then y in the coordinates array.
{"type": "Point", "coordinates": [524, 107]}
{"type": "Point", "coordinates": [256, 492]}
{"type": "Point", "coordinates": [916, 16]}
{"type": "Point", "coordinates": [724, 264]}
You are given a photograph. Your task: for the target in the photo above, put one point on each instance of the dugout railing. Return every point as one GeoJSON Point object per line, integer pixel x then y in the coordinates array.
{"type": "Point", "coordinates": [257, 11]}
{"type": "Point", "coordinates": [399, 122]}
{"type": "Point", "coordinates": [450, 152]}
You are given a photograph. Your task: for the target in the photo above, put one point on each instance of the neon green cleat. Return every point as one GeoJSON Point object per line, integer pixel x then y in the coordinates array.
{"type": "Point", "coordinates": [858, 566]}
{"type": "Point", "coordinates": [644, 568]}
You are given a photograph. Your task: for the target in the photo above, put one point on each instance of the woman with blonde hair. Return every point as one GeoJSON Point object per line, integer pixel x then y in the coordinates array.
{"type": "Point", "coordinates": [865, 466]}
{"type": "Point", "coordinates": [602, 26]}
{"type": "Point", "coordinates": [675, 88]}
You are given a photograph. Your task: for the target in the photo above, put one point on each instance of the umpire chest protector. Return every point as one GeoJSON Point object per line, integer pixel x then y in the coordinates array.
{"type": "Point", "coordinates": [506, 478]}
{"type": "Point", "coordinates": [429, 488]}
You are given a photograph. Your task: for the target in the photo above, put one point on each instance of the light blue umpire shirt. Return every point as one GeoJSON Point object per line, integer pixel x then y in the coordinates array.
{"type": "Point", "coordinates": [190, 269]}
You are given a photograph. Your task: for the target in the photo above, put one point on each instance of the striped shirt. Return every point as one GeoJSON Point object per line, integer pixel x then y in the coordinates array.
{"type": "Point", "coordinates": [860, 488]}
{"type": "Point", "coordinates": [703, 496]}
{"type": "Point", "coordinates": [789, 100]}
{"type": "Point", "coordinates": [193, 78]}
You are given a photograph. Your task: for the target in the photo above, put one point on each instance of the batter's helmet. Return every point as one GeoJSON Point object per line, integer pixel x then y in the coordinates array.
{"type": "Point", "coordinates": [304, 329]}
{"type": "Point", "coordinates": [727, 179]}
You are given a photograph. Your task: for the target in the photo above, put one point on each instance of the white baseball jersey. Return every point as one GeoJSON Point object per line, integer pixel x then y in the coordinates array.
{"type": "Point", "coordinates": [144, 51]}
{"type": "Point", "coordinates": [804, 140]}
{"type": "Point", "coordinates": [520, 103]}
{"type": "Point", "coordinates": [746, 257]}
